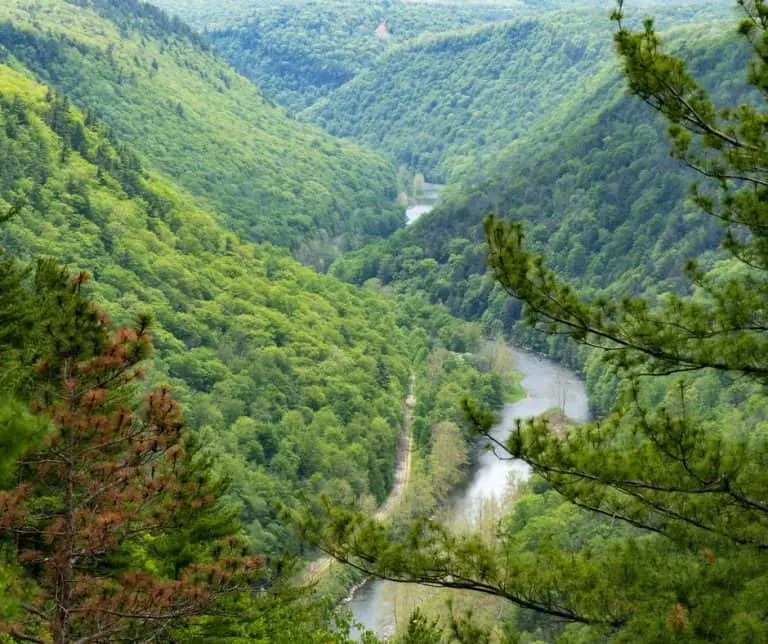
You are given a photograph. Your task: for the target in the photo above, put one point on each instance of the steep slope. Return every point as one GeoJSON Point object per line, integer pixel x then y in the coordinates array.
{"type": "Point", "coordinates": [593, 183]}
{"type": "Point", "coordinates": [214, 15]}
{"type": "Point", "coordinates": [294, 379]}
{"type": "Point", "coordinates": [299, 52]}
{"type": "Point", "coordinates": [158, 86]}
{"type": "Point", "coordinates": [440, 102]}
{"type": "Point", "coordinates": [434, 104]}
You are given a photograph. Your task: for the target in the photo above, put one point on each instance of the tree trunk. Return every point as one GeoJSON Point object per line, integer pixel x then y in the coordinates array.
{"type": "Point", "coordinates": [65, 574]}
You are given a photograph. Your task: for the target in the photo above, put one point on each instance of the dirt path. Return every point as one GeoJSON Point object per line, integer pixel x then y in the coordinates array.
{"type": "Point", "coordinates": [320, 566]}
{"type": "Point", "coordinates": [404, 457]}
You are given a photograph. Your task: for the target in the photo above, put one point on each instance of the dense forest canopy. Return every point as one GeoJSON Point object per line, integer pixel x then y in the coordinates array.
{"type": "Point", "coordinates": [261, 352]}
{"type": "Point", "coordinates": [442, 88]}
{"type": "Point", "coordinates": [294, 381]}
{"type": "Point", "coordinates": [103, 483]}
{"type": "Point", "coordinates": [214, 14]}
{"type": "Point", "coordinates": [223, 310]}
{"type": "Point", "coordinates": [602, 202]}
{"type": "Point", "coordinates": [222, 352]}
{"type": "Point", "coordinates": [194, 119]}
{"type": "Point", "coordinates": [299, 53]}
{"type": "Point", "coordinates": [439, 103]}
{"type": "Point", "coordinates": [442, 102]}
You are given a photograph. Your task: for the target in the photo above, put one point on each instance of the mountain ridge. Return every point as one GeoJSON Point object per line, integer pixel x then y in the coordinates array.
{"type": "Point", "coordinates": [194, 119]}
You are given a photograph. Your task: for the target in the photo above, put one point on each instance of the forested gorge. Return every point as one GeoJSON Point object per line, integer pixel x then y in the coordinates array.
{"type": "Point", "coordinates": [299, 53]}
{"type": "Point", "coordinates": [431, 104]}
{"type": "Point", "coordinates": [605, 204]}
{"type": "Point", "coordinates": [292, 381]}
{"type": "Point", "coordinates": [203, 125]}
{"type": "Point", "coordinates": [257, 348]}
{"type": "Point", "coordinates": [220, 344]}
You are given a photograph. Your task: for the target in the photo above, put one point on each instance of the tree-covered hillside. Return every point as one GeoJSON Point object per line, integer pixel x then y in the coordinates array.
{"type": "Point", "coordinates": [441, 102]}
{"type": "Point", "coordinates": [178, 393]}
{"type": "Point", "coordinates": [437, 104]}
{"type": "Point", "coordinates": [194, 119]}
{"type": "Point", "coordinates": [215, 15]}
{"type": "Point", "coordinates": [441, 87]}
{"type": "Point", "coordinates": [592, 181]}
{"type": "Point", "coordinates": [294, 379]}
{"type": "Point", "coordinates": [298, 52]}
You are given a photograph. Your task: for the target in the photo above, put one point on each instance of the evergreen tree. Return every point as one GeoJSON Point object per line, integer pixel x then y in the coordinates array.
{"type": "Point", "coordinates": [115, 516]}
{"type": "Point", "coordinates": [685, 496]}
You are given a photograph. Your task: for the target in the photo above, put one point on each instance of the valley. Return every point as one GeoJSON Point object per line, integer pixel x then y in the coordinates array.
{"type": "Point", "coordinates": [410, 321]}
{"type": "Point", "coordinates": [195, 120]}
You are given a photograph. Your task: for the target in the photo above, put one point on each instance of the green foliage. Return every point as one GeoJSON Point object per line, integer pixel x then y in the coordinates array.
{"type": "Point", "coordinates": [192, 118]}
{"type": "Point", "coordinates": [440, 102]}
{"type": "Point", "coordinates": [294, 380]}
{"type": "Point", "coordinates": [421, 630]}
{"type": "Point", "coordinates": [456, 94]}
{"type": "Point", "coordinates": [19, 431]}
{"type": "Point", "coordinates": [211, 15]}
{"type": "Point", "coordinates": [439, 395]}
{"type": "Point", "coordinates": [441, 90]}
{"type": "Point", "coordinates": [64, 327]}
{"type": "Point", "coordinates": [595, 187]}
{"type": "Point", "coordinates": [649, 524]}
{"type": "Point", "coordinates": [243, 334]}
{"type": "Point", "coordinates": [300, 52]}
{"type": "Point", "coordinates": [15, 590]}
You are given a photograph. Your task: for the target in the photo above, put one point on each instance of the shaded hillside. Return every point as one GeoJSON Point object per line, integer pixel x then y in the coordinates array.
{"type": "Point", "coordinates": [215, 15]}
{"type": "Point", "coordinates": [157, 85]}
{"type": "Point", "coordinates": [299, 52]}
{"type": "Point", "coordinates": [440, 103]}
{"type": "Point", "coordinates": [436, 104]}
{"type": "Point", "coordinates": [593, 183]}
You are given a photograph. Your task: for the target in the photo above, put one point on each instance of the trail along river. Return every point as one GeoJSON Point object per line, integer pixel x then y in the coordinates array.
{"type": "Point", "coordinates": [546, 385]}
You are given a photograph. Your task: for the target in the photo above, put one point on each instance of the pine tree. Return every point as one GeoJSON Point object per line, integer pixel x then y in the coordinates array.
{"type": "Point", "coordinates": [115, 515]}
{"type": "Point", "coordinates": [18, 428]}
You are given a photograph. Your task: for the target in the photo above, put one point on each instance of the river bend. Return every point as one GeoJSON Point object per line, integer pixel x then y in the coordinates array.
{"type": "Point", "coordinates": [547, 386]}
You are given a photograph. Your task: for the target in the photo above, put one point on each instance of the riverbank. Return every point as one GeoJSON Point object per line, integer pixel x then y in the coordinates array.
{"type": "Point", "coordinates": [382, 606]}
{"type": "Point", "coordinates": [423, 203]}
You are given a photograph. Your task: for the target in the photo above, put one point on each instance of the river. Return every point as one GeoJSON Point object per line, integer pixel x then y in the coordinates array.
{"type": "Point", "coordinates": [424, 203]}
{"type": "Point", "coordinates": [547, 385]}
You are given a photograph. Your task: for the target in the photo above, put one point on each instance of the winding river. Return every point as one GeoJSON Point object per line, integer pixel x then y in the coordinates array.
{"type": "Point", "coordinates": [547, 385]}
